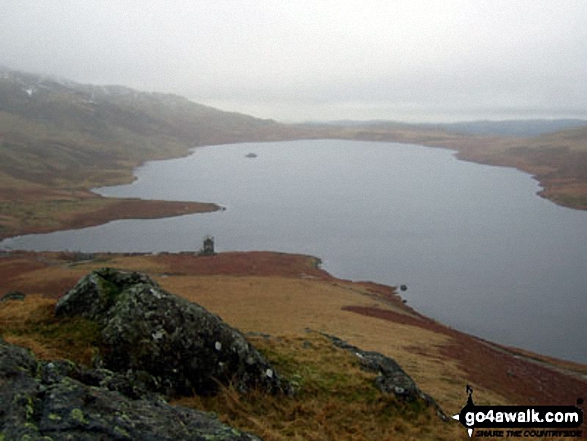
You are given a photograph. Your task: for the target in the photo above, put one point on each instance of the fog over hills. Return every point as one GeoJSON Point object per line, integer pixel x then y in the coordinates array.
{"type": "Point", "coordinates": [516, 127]}
{"type": "Point", "coordinates": [411, 61]}
{"type": "Point", "coordinates": [521, 127]}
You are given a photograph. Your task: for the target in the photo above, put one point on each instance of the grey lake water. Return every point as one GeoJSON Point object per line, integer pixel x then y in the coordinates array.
{"type": "Point", "coordinates": [477, 248]}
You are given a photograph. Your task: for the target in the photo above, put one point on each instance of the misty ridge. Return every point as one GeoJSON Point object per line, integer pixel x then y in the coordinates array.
{"type": "Point", "coordinates": [412, 61]}
{"type": "Point", "coordinates": [41, 85]}
{"type": "Point", "coordinates": [521, 127]}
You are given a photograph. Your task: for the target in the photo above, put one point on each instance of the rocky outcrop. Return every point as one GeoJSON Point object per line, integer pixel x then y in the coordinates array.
{"type": "Point", "coordinates": [60, 401]}
{"type": "Point", "coordinates": [12, 295]}
{"type": "Point", "coordinates": [391, 378]}
{"type": "Point", "coordinates": [173, 346]}
{"type": "Point", "coordinates": [151, 343]}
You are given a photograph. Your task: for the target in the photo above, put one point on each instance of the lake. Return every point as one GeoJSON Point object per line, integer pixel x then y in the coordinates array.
{"type": "Point", "coordinates": [477, 248]}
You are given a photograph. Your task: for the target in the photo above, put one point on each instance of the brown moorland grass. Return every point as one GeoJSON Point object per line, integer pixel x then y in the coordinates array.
{"type": "Point", "coordinates": [303, 296]}
{"type": "Point", "coordinates": [43, 212]}
{"type": "Point", "coordinates": [335, 399]}
{"type": "Point", "coordinates": [31, 323]}
{"type": "Point", "coordinates": [496, 367]}
{"type": "Point", "coordinates": [285, 306]}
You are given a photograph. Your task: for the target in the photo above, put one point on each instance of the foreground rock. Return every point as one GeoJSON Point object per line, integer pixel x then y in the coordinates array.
{"type": "Point", "coordinates": [173, 346]}
{"type": "Point", "coordinates": [59, 401]}
{"type": "Point", "coordinates": [391, 377]}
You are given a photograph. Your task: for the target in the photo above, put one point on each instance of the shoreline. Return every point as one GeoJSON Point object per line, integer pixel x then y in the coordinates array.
{"type": "Point", "coordinates": [89, 210]}
{"type": "Point", "coordinates": [44, 209]}
{"type": "Point", "coordinates": [555, 186]}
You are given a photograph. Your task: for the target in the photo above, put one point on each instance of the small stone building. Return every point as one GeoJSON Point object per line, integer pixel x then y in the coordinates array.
{"type": "Point", "coordinates": [208, 246]}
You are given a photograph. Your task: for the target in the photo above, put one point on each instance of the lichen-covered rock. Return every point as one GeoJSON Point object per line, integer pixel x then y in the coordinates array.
{"type": "Point", "coordinates": [391, 378]}
{"type": "Point", "coordinates": [174, 346]}
{"type": "Point", "coordinates": [43, 401]}
{"type": "Point", "coordinates": [15, 361]}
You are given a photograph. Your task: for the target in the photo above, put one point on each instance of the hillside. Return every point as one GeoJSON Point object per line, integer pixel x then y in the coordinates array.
{"type": "Point", "coordinates": [81, 132]}
{"type": "Point", "coordinates": [58, 139]}
{"type": "Point", "coordinates": [519, 128]}
{"type": "Point", "coordinates": [526, 128]}
{"type": "Point", "coordinates": [285, 304]}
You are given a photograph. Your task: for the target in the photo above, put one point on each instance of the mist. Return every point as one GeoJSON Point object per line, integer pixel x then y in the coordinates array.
{"type": "Point", "coordinates": [306, 61]}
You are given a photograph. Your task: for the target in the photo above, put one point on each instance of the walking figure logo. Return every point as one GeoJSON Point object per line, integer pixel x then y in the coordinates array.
{"type": "Point", "coordinates": [469, 407]}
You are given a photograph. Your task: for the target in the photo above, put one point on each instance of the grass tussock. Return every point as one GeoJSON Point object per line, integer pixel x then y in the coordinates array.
{"type": "Point", "coordinates": [31, 323]}
{"type": "Point", "coordinates": [334, 400]}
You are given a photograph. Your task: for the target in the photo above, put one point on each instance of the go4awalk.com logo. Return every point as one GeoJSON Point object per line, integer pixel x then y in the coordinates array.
{"type": "Point", "coordinates": [520, 421]}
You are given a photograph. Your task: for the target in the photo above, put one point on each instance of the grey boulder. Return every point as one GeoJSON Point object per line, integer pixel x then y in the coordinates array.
{"type": "Point", "coordinates": [174, 346]}
{"type": "Point", "coordinates": [42, 401]}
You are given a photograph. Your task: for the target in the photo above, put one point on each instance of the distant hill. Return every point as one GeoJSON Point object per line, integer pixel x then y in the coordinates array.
{"type": "Point", "coordinates": [59, 139]}
{"type": "Point", "coordinates": [60, 133]}
{"type": "Point", "coordinates": [525, 128]}
{"type": "Point", "coordinates": [53, 130]}
{"type": "Point", "coordinates": [517, 128]}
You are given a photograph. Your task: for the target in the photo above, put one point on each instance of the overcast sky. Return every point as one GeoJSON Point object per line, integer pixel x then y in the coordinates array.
{"type": "Point", "coordinates": [303, 60]}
